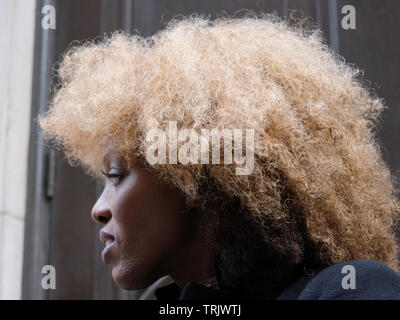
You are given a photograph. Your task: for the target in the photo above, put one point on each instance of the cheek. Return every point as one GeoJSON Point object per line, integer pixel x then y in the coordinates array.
{"type": "Point", "coordinates": [146, 208]}
{"type": "Point", "coordinates": [151, 235]}
{"type": "Point", "coordinates": [149, 229]}
{"type": "Point", "coordinates": [148, 222]}
{"type": "Point", "coordinates": [138, 222]}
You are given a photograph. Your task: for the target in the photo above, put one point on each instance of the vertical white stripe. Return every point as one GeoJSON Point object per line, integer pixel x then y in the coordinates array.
{"type": "Point", "coordinates": [17, 25]}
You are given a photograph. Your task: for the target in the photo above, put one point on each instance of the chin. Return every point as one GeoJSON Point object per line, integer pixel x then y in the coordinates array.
{"type": "Point", "coordinates": [128, 277]}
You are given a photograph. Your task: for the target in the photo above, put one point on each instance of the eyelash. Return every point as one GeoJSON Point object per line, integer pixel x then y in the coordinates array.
{"type": "Point", "coordinates": [112, 176]}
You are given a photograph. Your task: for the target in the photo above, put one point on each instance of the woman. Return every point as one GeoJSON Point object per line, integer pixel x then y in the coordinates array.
{"type": "Point", "coordinates": [316, 201]}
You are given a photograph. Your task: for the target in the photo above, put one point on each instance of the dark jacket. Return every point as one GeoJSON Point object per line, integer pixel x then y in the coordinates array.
{"type": "Point", "coordinates": [350, 280]}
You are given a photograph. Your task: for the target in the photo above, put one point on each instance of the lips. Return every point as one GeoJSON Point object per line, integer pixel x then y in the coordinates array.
{"type": "Point", "coordinates": [109, 240]}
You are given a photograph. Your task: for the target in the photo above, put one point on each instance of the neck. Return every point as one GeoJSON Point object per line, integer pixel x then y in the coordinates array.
{"type": "Point", "coordinates": [196, 264]}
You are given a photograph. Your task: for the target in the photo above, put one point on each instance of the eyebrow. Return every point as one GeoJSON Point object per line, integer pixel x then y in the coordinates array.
{"type": "Point", "coordinates": [110, 158]}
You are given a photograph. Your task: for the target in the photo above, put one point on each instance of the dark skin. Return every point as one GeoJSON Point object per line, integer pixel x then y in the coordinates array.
{"type": "Point", "coordinates": [151, 235]}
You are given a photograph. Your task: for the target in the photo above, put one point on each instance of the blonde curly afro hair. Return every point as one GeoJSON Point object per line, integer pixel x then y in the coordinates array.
{"type": "Point", "coordinates": [317, 164]}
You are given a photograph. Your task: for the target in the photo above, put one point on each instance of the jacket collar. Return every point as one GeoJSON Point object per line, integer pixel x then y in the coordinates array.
{"type": "Point", "coordinates": [191, 291]}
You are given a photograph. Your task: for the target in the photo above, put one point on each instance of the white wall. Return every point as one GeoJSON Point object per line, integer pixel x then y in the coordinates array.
{"type": "Point", "coordinates": [17, 22]}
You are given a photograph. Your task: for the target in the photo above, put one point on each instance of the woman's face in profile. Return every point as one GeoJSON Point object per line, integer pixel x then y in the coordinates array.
{"type": "Point", "coordinates": [145, 230]}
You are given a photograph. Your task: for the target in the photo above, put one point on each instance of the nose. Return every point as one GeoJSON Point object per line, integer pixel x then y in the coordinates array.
{"type": "Point", "coordinates": [101, 211]}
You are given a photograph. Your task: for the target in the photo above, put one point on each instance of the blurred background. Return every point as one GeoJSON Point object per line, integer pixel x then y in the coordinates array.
{"type": "Point", "coordinates": [45, 204]}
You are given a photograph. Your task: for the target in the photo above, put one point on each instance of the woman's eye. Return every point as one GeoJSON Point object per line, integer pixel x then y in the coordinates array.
{"type": "Point", "coordinates": [113, 177]}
